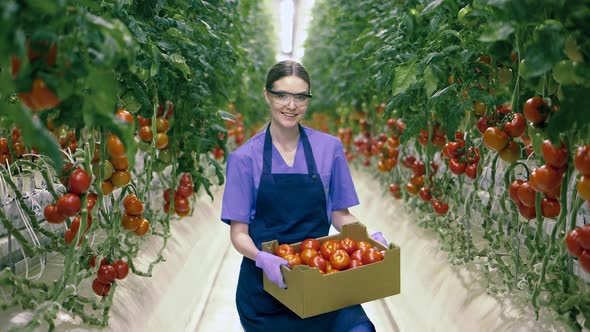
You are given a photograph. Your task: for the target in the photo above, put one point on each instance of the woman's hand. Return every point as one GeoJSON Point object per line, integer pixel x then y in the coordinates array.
{"type": "Point", "coordinates": [271, 265]}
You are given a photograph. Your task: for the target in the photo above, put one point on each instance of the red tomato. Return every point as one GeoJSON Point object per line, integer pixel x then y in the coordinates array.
{"type": "Point", "coordinates": [284, 250]}
{"type": "Point", "coordinates": [310, 243]}
{"type": "Point", "coordinates": [130, 222]}
{"type": "Point", "coordinates": [473, 156]}
{"type": "Point", "coordinates": [583, 187]}
{"type": "Point", "coordinates": [79, 181]}
{"type": "Point", "coordinates": [550, 208]}
{"type": "Point", "coordinates": [120, 178]}
{"type": "Point", "coordinates": [456, 167]}
{"type": "Point", "coordinates": [408, 161]}
{"type": "Point", "coordinates": [526, 211]}
{"type": "Point", "coordinates": [425, 194]}
{"type": "Point", "coordinates": [143, 121]}
{"type": "Point", "coordinates": [582, 159]}
{"type": "Point", "coordinates": [572, 243]}
{"type": "Point", "coordinates": [69, 204]}
{"type": "Point", "coordinates": [357, 254]}
{"type": "Point", "coordinates": [511, 152]}
{"type": "Point", "coordinates": [120, 163]}
{"type": "Point", "coordinates": [100, 288]}
{"type": "Point", "coordinates": [456, 149]}
{"type": "Point", "coordinates": [125, 116]}
{"type": "Point", "coordinates": [585, 260]}
{"type": "Point", "coordinates": [419, 168]}
{"type": "Point", "coordinates": [107, 187]}
{"type": "Point", "coordinates": [495, 139]}
{"type": "Point", "coordinates": [53, 215]}
{"type": "Point", "coordinates": [547, 178]}
{"type": "Point", "coordinates": [471, 171]}
{"type": "Point", "coordinates": [526, 194]}
{"type": "Point", "coordinates": [103, 261]}
{"type": "Point", "coordinates": [340, 259]}
{"type": "Point", "coordinates": [584, 236]}
{"type": "Point", "coordinates": [439, 207]}
{"type": "Point", "coordinates": [513, 191]}
{"type": "Point", "coordinates": [162, 125]}
{"type": "Point", "coordinates": [293, 260]}
{"type": "Point", "coordinates": [143, 228]}
{"type": "Point", "coordinates": [483, 124]}
{"type": "Point", "coordinates": [132, 205]}
{"type": "Point", "coordinates": [418, 181]}
{"type": "Point", "coordinates": [182, 205]}
{"type": "Point", "coordinates": [459, 135]}
{"type": "Point", "coordinates": [355, 263]}
{"type": "Point", "coordinates": [349, 245]}
{"type": "Point", "coordinates": [91, 199]}
{"type": "Point", "coordinates": [114, 146]}
{"type": "Point", "coordinates": [555, 156]}
{"type": "Point", "coordinates": [307, 254]}
{"type": "Point", "coordinates": [364, 245]}
{"type": "Point", "coordinates": [536, 110]}
{"type": "Point", "coordinates": [122, 268]}
{"type": "Point", "coordinates": [106, 274]}
{"type": "Point", "coordinates": [516, 126]}
{"type": "Point", "coordinates": [328, 248]}
{"type": "Point", "coordinates": [185, 191]}
{"type": "Point", "coordinates": [145, 133]}
{"type": "Point", "coordinates": [319, 262]}
{"type": "Point", "coordinates": [371, 256]}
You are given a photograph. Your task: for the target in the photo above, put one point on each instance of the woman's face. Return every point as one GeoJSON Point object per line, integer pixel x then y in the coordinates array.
{"type": "Point", "coordinates": [287, 101]}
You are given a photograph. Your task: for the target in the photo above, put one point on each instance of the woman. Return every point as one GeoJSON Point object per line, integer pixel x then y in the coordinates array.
{"type": "Point", "coordinates": [278, 187]}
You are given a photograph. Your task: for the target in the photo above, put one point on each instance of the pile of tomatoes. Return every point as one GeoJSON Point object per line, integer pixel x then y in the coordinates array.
{"type": "Point", "coordinates": [330, 256]}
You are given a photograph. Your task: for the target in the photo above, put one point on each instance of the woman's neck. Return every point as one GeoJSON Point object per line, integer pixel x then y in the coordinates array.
{"type": "Point", "coordinates": [285, 137]}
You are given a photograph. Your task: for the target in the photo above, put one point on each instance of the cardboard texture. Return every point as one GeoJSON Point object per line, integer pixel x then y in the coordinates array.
{"type": "Point", "coordinates": [310, 293]}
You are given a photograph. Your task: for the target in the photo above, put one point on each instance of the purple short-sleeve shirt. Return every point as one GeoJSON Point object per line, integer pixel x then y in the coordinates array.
{"type": "Point", "coordinates": [244, 168]}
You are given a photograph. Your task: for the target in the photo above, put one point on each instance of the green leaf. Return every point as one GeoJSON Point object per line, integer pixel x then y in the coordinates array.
{"type": "Point", "coordinates": [430, 81]}
{"type": "Point", "coordinates": [179, 62]}
{"type": "Point", "coordinates": [405, 75]}
{"type": "Point", "coordinates": [497, 31]}
{"type": "Point", "coordinates": [570, 116]}
{"type": "Point", "coordinates": [453, 118]}
{"type": "Point", "coordinates": [545, 50]}
{"type": "Point", "coordinates": [137, 31]}
{"type": "Point", "coordinates": [431, 6]}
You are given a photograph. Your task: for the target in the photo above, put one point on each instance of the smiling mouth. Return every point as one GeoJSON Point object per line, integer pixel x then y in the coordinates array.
{"type": "Point", "coordinates": [289, 115]}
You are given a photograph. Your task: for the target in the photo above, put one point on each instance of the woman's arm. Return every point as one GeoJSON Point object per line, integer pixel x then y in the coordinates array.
{"type": "Point", "coordinates": [342, 217]}
{"type": "Point", "coordinates": [242, 241]}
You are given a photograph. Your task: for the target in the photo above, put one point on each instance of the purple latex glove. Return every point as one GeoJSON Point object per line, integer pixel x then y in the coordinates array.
{"type": "Point", "coordinates": [379, 238]}
{"type": "Point", "coordinates": [271, 265]}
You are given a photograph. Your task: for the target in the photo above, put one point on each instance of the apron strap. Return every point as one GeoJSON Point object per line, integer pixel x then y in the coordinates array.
{"type": "Point", "coordinates": [267, 154]}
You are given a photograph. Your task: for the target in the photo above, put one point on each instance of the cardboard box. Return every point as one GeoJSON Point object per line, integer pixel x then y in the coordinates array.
{"type": "Point", "coordinates": [310, 293]}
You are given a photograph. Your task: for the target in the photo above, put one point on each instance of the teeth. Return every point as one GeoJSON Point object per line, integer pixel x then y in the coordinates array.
{"type": "Point", "coordinates": [289, 115]}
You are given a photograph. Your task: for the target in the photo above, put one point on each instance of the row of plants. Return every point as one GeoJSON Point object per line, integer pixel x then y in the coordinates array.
{"type": "Point", "coordinates": [126, 103]}
{"type": "Point", "coordinates": [481, 102]}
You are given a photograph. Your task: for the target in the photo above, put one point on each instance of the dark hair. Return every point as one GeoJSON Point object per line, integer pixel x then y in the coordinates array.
{"type": "Point", "coordinates": [284, 69]}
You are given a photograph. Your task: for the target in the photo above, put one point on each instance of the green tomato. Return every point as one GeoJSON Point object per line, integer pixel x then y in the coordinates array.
{"type": "Point", "coordinates": [571, 50]}
{"type": "Point", "coordinates": [145, 147]}
{"type": "Point", "coordinates": [107, 170]}
{"type": "Point", "coordinates": [165, 156]}
{"type": "Point", "coordinates": [504, 75]}
{"type": "Point", "coordinates": [158, 166]}
{"type": "Point", "coordinates": [564, 72]}
{"type": "Point", "coordinates": [522, 68]}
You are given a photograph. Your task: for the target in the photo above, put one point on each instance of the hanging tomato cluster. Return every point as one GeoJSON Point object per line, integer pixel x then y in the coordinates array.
{"type": "Point", "coordinates": [107, 274]}
{"type": "Point", "coordinates": [462, 159]}
{"type": "Point", "coordinates": [499, 130]}
{"type": "Point", "coordinates": [438, 139]}
{"type": "Point", "coordinates": [41, 55]}
{"type": "Point", "coordinates": [235, 129]}
{"type": "Point", "coordinates": [132, 220]}
{"type": "Point", "coordinates": [345, 136]}
{"type": "Point", "coordinates": [582, 165]}
{"type": "Point", "coordinates": [18, 146]}
{"type": "Point", "coordinates": [388, 146]}
{"type": "Point", "coordinates": [183, 192]}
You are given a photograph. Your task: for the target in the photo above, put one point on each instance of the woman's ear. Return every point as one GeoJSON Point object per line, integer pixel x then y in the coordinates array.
{"type": "Point", "coordinates": [266, 96]}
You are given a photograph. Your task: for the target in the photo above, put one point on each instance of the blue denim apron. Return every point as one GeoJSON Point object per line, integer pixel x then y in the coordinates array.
{"type": "Point", "coordinates": [289, 208]}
